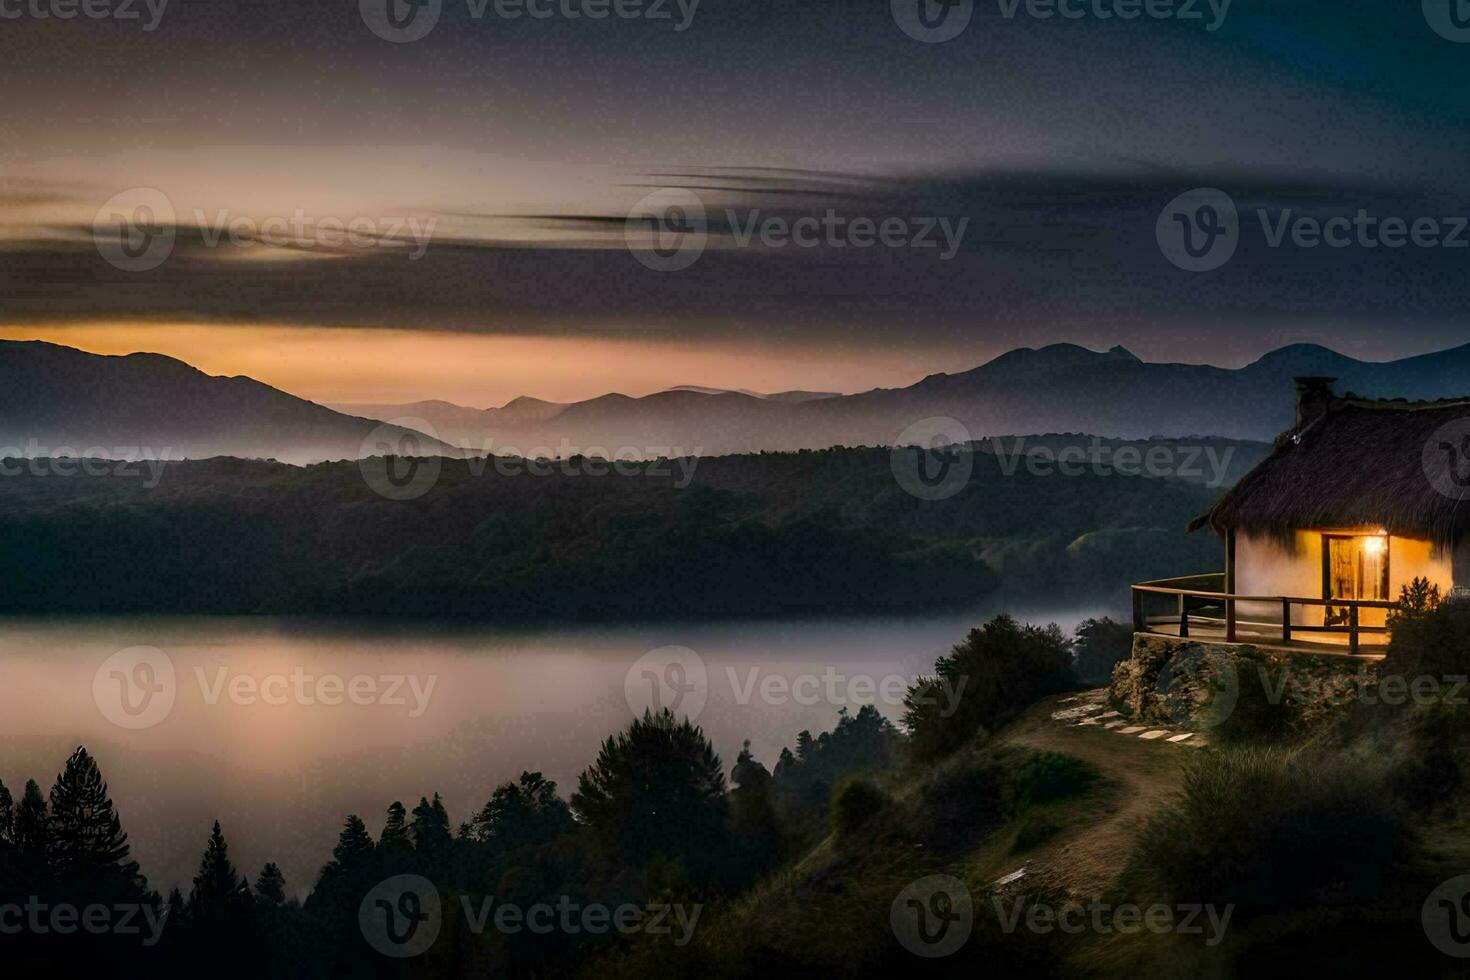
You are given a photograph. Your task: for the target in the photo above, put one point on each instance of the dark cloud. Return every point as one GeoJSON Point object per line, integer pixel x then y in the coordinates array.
{"type": "Point", "coordinates": [1043, 253]}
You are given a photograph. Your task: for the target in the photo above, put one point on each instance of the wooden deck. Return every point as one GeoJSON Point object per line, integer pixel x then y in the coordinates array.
{"type": "Point", "coordinates": [1203, 607]}
{"type": "Point", "coordinates": [1265, 636]}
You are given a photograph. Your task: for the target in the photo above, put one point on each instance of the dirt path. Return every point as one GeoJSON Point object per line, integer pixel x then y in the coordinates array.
{"type": "Point", "coordinates": [1143, 773]}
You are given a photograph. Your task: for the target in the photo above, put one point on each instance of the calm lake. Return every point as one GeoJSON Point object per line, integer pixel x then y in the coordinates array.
{"type": "Point", "coordinates": [279, 728]}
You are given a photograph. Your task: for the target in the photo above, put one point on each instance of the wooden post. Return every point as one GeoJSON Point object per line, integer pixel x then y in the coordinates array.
{"type": "Point", "coordinates": [1184, 615]}
{"type": "Point", "coordinates": [1285, 620]}
{"type": "Point", "coordinates": [1353, 629]}
{"type": "Point", "coordinates": [1139, 626]}
{"type": "Point", "coordinates": [1230, 585]}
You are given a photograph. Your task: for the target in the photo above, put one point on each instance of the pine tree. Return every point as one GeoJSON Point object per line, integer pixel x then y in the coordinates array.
{"type": "Point", "coordinates": [656, 790]}
{"type": "Point", "coordinates": [86, 839]}
{"type": "Point", "coordinates": [220, 897]}
{"type": "Point", "coordinates": [354, 844]}
{"type": "Point", "coordinates": [176, 912]}
{"type": "Point", "coordinates": [7, 815]}
{"type": "Point", "coordinates": [395, 831]}
{"type": "Point", "coordinates": [430, 827]}
{"type": "Point", "coordinates": [270, 885]}
{"type": "Point", "coordinates": [524, 812]}
{"type": "Point", "coordinates": [31, 832]}
{"type": "Point", "coordinates": [803, 744]}
{"type": "Point", "coordinates": [753, 812]}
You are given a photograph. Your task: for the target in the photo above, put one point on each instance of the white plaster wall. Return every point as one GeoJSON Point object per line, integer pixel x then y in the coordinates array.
{"type": "Point", "coordinates": [1267, 566]}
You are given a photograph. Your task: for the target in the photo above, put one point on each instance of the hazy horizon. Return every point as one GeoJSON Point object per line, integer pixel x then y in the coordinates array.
{"type": "Point", "coordinates": [441, 367]}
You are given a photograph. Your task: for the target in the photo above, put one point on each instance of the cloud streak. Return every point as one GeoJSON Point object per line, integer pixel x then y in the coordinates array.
{"type": "Point", "coordinates": [1071, 249]}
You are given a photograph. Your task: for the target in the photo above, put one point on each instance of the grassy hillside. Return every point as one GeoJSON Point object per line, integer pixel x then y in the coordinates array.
{"type": "Point", "coordinates": [1340, 848]}
{"type": "Point", "coordinates": [1086, 841]}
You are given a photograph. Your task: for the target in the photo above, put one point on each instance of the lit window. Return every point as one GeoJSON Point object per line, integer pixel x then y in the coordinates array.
{"type": "Point", "coordinates": [1354, 566]}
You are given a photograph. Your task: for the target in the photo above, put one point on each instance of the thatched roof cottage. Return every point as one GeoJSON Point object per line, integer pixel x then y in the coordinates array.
{"type": "Point", "coordinates": [1355, 501]}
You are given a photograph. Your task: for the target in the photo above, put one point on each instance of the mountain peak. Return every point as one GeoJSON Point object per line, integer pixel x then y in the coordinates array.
{"type": "Point", "coordinates": [1303, 359]}
{"type": "Point", "coordinates": [1055, 357]}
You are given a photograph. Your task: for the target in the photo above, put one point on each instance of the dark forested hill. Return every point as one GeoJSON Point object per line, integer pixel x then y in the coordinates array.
{"type": "Point", "coordinates": [765, 534]}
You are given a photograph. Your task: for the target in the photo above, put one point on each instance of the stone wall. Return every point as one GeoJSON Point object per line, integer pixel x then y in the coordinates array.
{"type": "Point", "coordinates": [1200, 685]}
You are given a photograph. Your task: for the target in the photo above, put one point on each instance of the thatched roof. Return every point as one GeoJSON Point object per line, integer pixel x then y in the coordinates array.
{"type": "Point", "coordinates": [1359, 463]}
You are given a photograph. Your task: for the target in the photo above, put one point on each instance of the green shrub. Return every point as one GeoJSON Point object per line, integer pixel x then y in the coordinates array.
{"type": "Point", "coordinates": [1035, 830]}
{"type": "Point", "coordinates": [1433, 642]}
{"type": "Point", "coordinates": [963, 801]}
{"type": "Point", "coordinates": [1000, 669]}
{"type": "Point", "coordinates": [1101, 645]}
{"type": "Point", "coordinates": [856, 803]}
{"type": "Point", "coordinates": [1434, 736]}
{"type": "Point", "coordinates": [1416, 600]}
{"type": "Point", "coordinates": [1267, 828]}
{"type": "Point", "coordinates": [1050, 776]}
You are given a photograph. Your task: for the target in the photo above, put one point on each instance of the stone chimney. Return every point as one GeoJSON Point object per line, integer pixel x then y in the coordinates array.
{"type": "Point", "coordinates": [1313, 398]}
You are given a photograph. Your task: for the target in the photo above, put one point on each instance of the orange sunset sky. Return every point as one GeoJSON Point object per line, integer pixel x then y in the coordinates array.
{"type": "Point", "coordinates": [343, 365]}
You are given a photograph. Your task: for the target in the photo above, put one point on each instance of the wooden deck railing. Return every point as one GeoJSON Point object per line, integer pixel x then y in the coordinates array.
{"type": "Point", "coordinates": [1195, 593]}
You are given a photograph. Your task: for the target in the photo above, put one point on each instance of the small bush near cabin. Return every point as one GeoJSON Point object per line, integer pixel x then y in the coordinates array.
{"type": "Point", "coordinates": [1416, 600]}
{"type": "Point", "coordinates": [1272, 828]}
{"type": "Point", "coordinates": [1434, 642]}
{"type": "Point", "coordinates": [1419, 700]}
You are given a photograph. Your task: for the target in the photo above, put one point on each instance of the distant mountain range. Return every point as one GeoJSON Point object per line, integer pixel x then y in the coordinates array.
{"type": "Point", "coordinates": [59, 401]}
{"type": "Point", "coordinates": [54, 397]}
{"type": "Point", "coordinates": [1060, 388]}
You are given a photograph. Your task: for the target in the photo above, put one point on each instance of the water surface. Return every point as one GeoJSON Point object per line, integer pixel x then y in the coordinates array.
{"type": "Point", "coordinates": [278, 728]}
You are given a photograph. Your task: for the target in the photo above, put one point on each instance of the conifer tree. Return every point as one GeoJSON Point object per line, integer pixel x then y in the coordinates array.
{"type": "Point", "coordinates": [7, 815]}
{"type": "Point", "coordinates": [656, 790]}
{"type": "Point", "coordinates": [85, 838]}
{"type": "Point", "coordinates": [753, 811]}
{"type": "Point", "coordinates": [220, 896]}
{"type": "Point", "coordinates": [270, 885]}
{"type": "Point", "coordinates": [354, 844]}
{"type": "Point", "coordinates": [803, 744]}
{"type": "Point", "coordinates": [175, 912]}
{"type": "Point", "coordinates": [395, 830]}
{"type": "Point", "coordinates": [30, 821]}
{"type": "Point", "coordinates": [430, 827]}
{"type": "Point", "coordinates": [524, 812]}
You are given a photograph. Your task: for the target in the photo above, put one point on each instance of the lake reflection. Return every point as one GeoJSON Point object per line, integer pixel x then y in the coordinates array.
{"type": "Point", "coordinates": [278, 728]}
